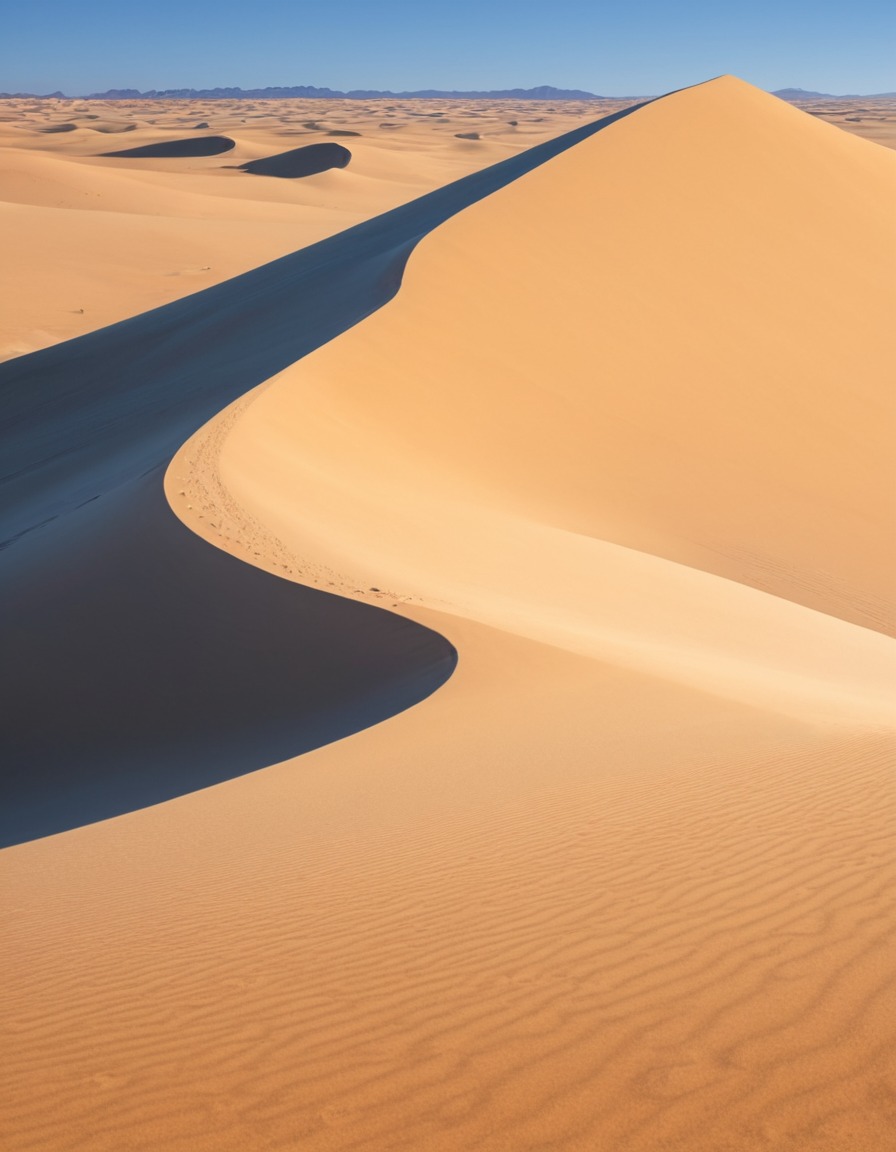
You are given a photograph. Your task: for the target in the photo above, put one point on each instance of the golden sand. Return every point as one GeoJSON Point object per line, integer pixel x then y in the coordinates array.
{"type": "Point", "coordinates": [625, 881]}
{"type": "Point", "coordinates": [95, 239]}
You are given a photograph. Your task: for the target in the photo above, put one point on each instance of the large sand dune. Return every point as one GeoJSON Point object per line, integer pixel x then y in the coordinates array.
{"type": "Point", "coordinates": [623, 881]}
{"type": "Point", "coordinates": [97, 578]}
{"type": "Point", "coordinates": [674, 338]}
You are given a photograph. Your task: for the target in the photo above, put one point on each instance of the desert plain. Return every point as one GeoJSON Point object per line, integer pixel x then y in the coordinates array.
{"type": "Point", "coordinates": [551, 517]}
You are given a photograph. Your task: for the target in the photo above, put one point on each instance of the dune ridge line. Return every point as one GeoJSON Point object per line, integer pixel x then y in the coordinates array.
{"type": "Point", "coordinates": [90, 424]}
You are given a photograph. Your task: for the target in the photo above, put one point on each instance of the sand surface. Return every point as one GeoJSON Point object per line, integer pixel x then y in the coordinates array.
{"type": "Point", "coordinates": [624, 439]}
{"type": "Point", "coordinates": [95, 238]}
{"type": "Point", "coordinates": [871, 118]}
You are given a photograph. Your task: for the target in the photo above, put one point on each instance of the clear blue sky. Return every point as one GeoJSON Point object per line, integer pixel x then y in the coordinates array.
{"type": "Point", "coordinates": [627, 47]}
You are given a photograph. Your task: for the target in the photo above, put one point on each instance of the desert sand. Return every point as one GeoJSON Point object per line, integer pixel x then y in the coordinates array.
{"type": "Point", "coordinates": [870, 117]}
{"type": "Point", "coordinates": [95, 238]}
{"type": "Point", "coordinates": [620, 444]}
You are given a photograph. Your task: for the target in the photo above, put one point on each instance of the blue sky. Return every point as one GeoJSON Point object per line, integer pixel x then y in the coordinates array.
{"type": "Point", "coordinates": [622, 48]}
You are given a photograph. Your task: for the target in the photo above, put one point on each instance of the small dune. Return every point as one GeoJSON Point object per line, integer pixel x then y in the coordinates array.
{"type": "Point", "coordinates": [299, 162]}
{"type": "Point", "coordinates": [111, 129]}
{"type": "Point", "coordinates": [177, 149]}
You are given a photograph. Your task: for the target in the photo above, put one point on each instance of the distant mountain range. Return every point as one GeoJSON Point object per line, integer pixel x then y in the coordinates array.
{"type": "Point", "coordinates": [305, 92]}
{"type": "Point", "coordinates": [802, 94]}
{"type": "Point", "coordinates": [309, 92]}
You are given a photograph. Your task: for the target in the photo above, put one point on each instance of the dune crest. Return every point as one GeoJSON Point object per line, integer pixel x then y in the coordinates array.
{"type": "Point", "coordinates": [94, 240]}
{"type": "Point", "coordinates": [617, 365]}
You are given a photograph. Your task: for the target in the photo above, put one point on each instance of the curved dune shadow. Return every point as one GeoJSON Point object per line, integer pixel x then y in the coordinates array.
{"type": "Point", "coordinates": [52, 129]}
{"type": "Point", "coordinates": [299, 162]}
{"type": "Point", "coordinates": [177, 149]}
{"type": "Point", "coordinates": [140, 662]}
{"type": "Point", "coordinates": [112, 129]}
{"type": "Point", "coordinates": [161, 665]}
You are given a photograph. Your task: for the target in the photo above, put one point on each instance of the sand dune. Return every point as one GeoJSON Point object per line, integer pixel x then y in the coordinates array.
{"type": "Point", "coordinates": [869, 117]}
{"type": "Point", "coordinates": [644, 373]}
{"type": "Point", "coordinates": [113, 129]}
{"type": "Point", "coordinates": [621, 439]}
{"type": "Point", "coordinates": [300, 162]}
{"type": "Point", "coordinates": [96, 240]}
{"type": "Point", "coordinates": [81, 488]}
{"type": "Point", "coordinates": [188, 148]}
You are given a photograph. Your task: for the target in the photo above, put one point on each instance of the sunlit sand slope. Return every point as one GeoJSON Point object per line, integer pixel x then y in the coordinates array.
{"type": "Point", "coordinates": [633, 406]}
{"type": "Point", "coordinates": [675, 338]}
{"type": "Point", "coordinates": [139, 663]}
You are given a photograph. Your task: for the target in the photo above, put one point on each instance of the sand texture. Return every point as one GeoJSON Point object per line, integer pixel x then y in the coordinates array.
{"type": "Point", "coordinates": [611, 426]}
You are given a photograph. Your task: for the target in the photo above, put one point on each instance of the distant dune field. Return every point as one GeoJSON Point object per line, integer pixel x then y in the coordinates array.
{"type": "Point", "coordinates": [622, 441]}
{"type": "Point", "coordinates": [97, 237]}
{"type": "Point", "coordinates": [869, 117]}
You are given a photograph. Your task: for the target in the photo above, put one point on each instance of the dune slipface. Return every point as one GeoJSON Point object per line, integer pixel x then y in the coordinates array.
{"type": "Point", "coordinates": [172, 668]}
{"type": "Point", "coordinates": [299, 162]}
{"type": "Point", "coordinates": [623, 882]}
{"type": "Point", "coordinates": [97, 573]}
{"type": "Point", "coordinates": [177, 149]}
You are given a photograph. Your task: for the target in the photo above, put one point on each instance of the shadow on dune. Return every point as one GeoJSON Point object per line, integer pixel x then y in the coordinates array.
{"type": "Point", "coordinates": [112, 129]}
{"type": "Point", "coordinates": [52, 129]}
{"type": "Point", "coordinates": [143, 664]}
{"type": "Point", "coordinates": [177, 149]}
{"type": "Point", "coordinates": [140, 663]}
{"type": "Point", "coordinates": [299, 162]}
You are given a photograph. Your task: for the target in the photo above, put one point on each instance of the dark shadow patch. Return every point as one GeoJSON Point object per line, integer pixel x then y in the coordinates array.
{"type": "Point", "coordinates": [53, 129]}
{"type": "Point", "coordinates": [299, 162]}
{"type": "Point", "coordinates": [343, 132]}
{"type": "Point", "coordinates": [467, 135]}
{"type": "Point", "coordinates": [175, 666]}
{"type": "Point", "coordinates": [177, 149]}
{"type": "Point", "coordinates": [112, 129]}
